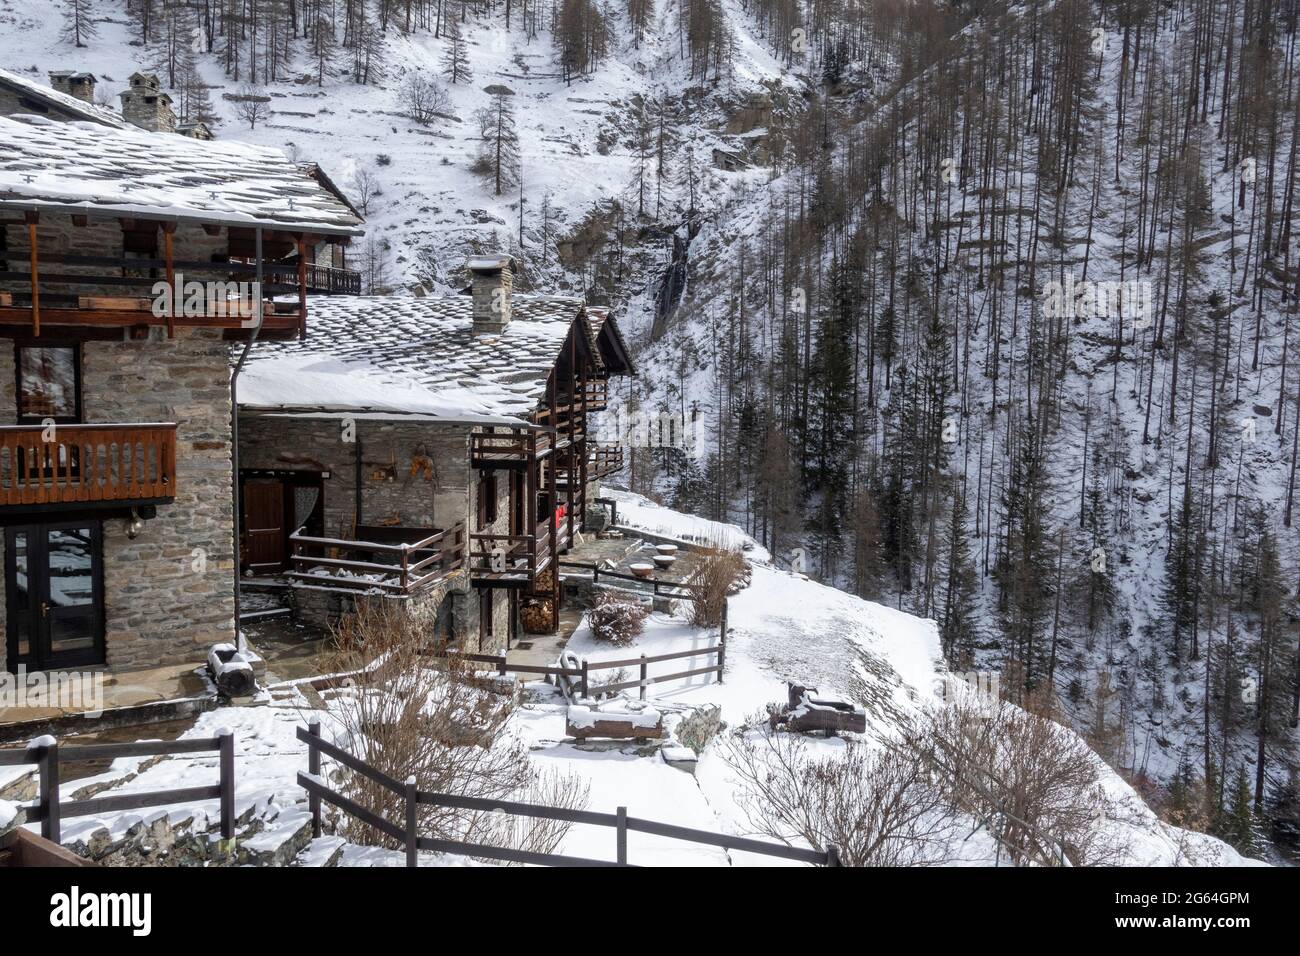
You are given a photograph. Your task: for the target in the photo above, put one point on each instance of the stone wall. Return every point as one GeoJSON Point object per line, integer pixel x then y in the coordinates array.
{"type": "Point", "coordinates": [413, 474]}
{"type": "Point", "coordinates": [167, 593]}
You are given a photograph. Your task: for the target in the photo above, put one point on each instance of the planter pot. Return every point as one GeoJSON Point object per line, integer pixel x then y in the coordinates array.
{"type": "Point", "coordinates": [664, 561]}
{"type": "Point", "coordinates": [642, 570]}
{"type": "Point", "coordinates": [667, 549]}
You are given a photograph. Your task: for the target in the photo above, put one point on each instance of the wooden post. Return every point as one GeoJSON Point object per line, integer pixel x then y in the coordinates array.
{"type": "Point", "coordinates": [47, 758]}
{"type": "Point", "coordinates": [620, 828]}
{"type": "Point", "coordinates": [412, 829]}
{"type": "Point", "coordinates": [722, 642]}
{"type": "Point", "coordinates": [227, 739]}
{"type": "Point", "coordinates": [302, 287]}
{"type": "Point", "coordinates": [584, 678]}
{"type": "Point", "coordinates": [644, 674]}
{"type": "Point", "coordinates": [177, 295]}
{"type": "Point", "coordinates": [32, 218]}
{"type": "Point", "coordinates": [313, 768]}
{"type": "Point", "coordinates": [406, 561]}
{"type": "Point", "coordinates": [833, 856]}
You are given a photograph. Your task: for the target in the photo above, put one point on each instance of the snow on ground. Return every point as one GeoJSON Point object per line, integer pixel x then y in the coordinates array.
{"type": "Point", "coordinates": [782, 627]}
{"type": "Point", "coordinates": [638, 512]}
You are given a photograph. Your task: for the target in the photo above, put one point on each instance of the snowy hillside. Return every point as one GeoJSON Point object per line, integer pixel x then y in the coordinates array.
{"type": "Point", "coordinates": [783, 627]}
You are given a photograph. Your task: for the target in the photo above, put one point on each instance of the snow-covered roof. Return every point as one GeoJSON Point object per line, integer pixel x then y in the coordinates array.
{"type": "Point", "coordinates": [84, 168]}
{"type": "Point", "coordinates": [412, 356]}
{"type": "Point", "coordinates": [58, 101]}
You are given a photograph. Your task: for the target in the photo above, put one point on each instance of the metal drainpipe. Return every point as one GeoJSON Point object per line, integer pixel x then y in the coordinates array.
{"type": "Point", "coordinates": [234, 427]}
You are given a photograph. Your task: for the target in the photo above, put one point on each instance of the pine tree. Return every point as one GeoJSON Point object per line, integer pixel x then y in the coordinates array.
{"type": "Point", "coordinates": [498, 159]}
{"type": "Point", "coordinates": [961, 589]}
{"type": "Point", "coordinates": [79, 26]}
{"type": "Point", "coordinates": [455, 57]}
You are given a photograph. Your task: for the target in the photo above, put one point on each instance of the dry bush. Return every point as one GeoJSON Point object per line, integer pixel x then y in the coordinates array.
{"type": "Point", "coordinates": [616, 619]}
{"type": "Point", "coordinates": [410, 714]}
{"type": "Point", "coordinates": [1036, 784]}
{"type": "Point", "coordinates": [719, 568]}
{"type": "Point", "coordinates": [875, 804]}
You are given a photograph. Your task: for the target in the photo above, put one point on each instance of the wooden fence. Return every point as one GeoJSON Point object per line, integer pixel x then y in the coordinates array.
{"type": "Point", "coordinates": [49, 810]}
{"type": "Point", "coordinates": [410, 566]}
{"type": "Point", "coordinates": [407, 832]}
{"type": "Point", "coordinates": [582, 673]}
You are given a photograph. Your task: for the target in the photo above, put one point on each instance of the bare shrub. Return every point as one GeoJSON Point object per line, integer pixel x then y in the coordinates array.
{"type": "Point", "coordinates": [411, 714]}
{"type": "Point", "coordinates": [616, 619]}
{"type": "Point", "coordinates": [718, 570]}
{"type": "Point", "coordinates": [1036, 784]}
{"type": "Point", "coordinates": [423, 98]}
{"type": "Point", "coordinates": [875, 804]}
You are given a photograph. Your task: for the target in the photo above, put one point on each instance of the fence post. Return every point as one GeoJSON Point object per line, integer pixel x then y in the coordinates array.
{"type": "Point", "coordinates": [833, 856]}
{"type": "Point", "coordinates": [227, 762]}
{"type": "Point", "coordinates": [412, 834]}
{"type": "Point", "coordinates": [313, 768]}
{"type": "Point", "coordinates": [644, 676]}
{"type": "Point", "coordinates": [585, 692]}
{"type": "Point", "coordinates": [722, 642]}
{"type": "Point", "coordinates": [47, 758]}
{"type": "Point", "coordinates": [620, 829]}
{"type": "Point", "coordinates": [501, 661]}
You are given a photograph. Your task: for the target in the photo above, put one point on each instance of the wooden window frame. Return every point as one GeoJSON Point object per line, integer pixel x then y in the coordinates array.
{"type": "Point", "coordinates": [19, 417]}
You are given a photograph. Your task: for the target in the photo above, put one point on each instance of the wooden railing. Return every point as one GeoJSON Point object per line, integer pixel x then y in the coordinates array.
{"type": "Point", "coordinates": [59, 464]}
{"type": "Point", "coordinates": [510, 558]}
{"type": "Point", "coordinates": [49, 809]}
{"type": "Point", "coordinates": [604, 460]}
{"type": "Point", "coordinates": [393, 568]}
{"type": "Point", "coordinates": [407, 832]}
{"type": "Point", "coordinates": [329, 280]}
{"type": "Point", "coordinates": [508, 449]}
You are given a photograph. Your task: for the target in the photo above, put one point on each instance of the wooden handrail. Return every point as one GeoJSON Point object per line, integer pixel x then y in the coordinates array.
{"type": "Point", "coordinates": [61, 464]}
{"type": "Point", "coordinates": [449, 555]}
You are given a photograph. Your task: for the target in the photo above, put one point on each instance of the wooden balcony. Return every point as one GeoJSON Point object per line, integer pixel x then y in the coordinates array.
{"type": "Point", "coordinates": [74, 464]}
{"type": "Point", "coordinates": [504, 560]}
{"type": "Point", "coordinates": [388, 567]}
{"type": "Point", "coordinates": [328, 280]}
{"type": "Point", "coordinates": [107, 292]}
{"type": "Point", "coordinates": [508, 449]}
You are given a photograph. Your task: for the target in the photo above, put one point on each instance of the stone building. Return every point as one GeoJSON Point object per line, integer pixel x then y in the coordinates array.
{"type": "Point", "coordinates": [458, 426]}
{"type": "Point", "coordinates": [144, 104]}
{"type": "Point", "coordinates": [67, 99]}
{"type": "Point", "coordinates": [116, 459]}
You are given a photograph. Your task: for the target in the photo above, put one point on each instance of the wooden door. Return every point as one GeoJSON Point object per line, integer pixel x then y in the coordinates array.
{"type": "Point", "coordinates": [265, 547]}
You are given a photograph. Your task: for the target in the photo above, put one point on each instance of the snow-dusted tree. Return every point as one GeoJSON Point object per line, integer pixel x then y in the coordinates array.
{"type": "Point", "coordinates": [364, 187]}
{"type": "Point", "coordinates": [455, 57]}
{"type": "Point", "coordinates": [78, 25]}
{"type": "Point", "coordinates": [251, 104]}
{"type": "Point", "coordinates": [498, 159]}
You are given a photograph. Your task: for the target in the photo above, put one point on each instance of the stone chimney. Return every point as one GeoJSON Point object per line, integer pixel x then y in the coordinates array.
{"type": "Point", "coordinates": [79, 85]}
{"type": "Point", "coordinates": [492, 279]}
{"type": "Point", "coordinates": [145, 105]}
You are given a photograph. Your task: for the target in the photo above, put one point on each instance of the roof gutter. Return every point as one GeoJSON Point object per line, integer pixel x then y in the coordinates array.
{"type": "Point", "coordinates": [93, 211]}
{"type": "Point", "coordinates": [234, 432]}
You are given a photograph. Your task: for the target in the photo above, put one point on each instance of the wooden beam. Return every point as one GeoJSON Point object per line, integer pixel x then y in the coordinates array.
{"type": "Point", "coordinates": [212, 229]}
{"type": "Point", "coordinates": [168, 231]}
{"type": "Point", "coordinates": [32, 218]}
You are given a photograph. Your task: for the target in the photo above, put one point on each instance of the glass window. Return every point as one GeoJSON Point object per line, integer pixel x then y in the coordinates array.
{"type": "Point", "coordinates": [47, 382]}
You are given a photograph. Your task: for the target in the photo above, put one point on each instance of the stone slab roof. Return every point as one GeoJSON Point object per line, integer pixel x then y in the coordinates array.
{"type": "Point", "coordinates": [85, 168]}
{"type": "Point", "coordinates": [59, 102]}
{"type": "Point", "coordinates": [412, 356]}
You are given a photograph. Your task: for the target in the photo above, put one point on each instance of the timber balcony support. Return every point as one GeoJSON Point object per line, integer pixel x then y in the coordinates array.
{"type": "Point", "coordinates": [72, 464]}
{"type": "Point", "coordinates": [505, 560]}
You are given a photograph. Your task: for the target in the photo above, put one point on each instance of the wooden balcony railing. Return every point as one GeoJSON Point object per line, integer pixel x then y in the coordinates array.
{"type": "Point", "coordinates": [63, 464]}
{"type": "Point", "coordinates": [329, 280]}
{"type": "Point", "coordinates": [508, 449]}
{"type": "Point", "coordinates": [390, 568]}
{"type": "Point", "coordinates": [604, 460]}
{"type": "Point", "coordinates": [510, 560]}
